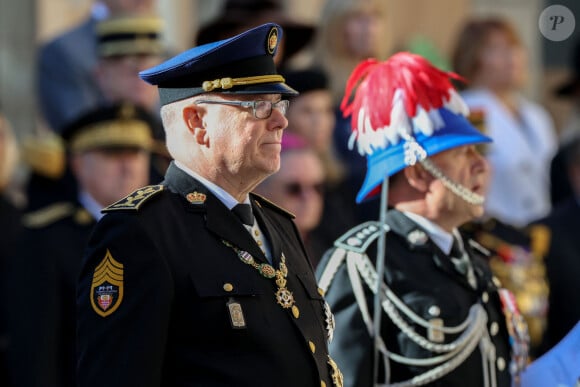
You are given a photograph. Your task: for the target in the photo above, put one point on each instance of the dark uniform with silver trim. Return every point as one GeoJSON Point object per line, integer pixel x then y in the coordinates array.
{"type": "Point", "coordinates": [425, 280]}
{"type": "Point", "coordinates": [163, 301]}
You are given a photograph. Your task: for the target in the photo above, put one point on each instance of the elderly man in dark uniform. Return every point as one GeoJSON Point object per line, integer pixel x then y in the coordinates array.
{"type": "Point", "coordinates": [197, 281]}
{"type": "Point", "coordinates": [441, 321]}
{"type": "Point", "coordinates": [109, 157]}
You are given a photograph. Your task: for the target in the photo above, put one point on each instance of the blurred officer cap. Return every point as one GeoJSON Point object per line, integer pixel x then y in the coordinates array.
{"type": "Point", "coordinates": [130, 35]}
{"type": "Point", "coordinates": [305, 80]}
{"type": "Point", "coordinates": [121, 125]}
{"type": "Point", "coordinates": [238, 15]}
{"type": "Point", "coordinates": [403, 110]}
{"type": "Point", "coordinates": [242, 64]}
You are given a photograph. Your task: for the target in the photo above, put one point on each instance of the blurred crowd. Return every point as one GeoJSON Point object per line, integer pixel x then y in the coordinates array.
{"type": "Point", "coordinates": [105, 141]}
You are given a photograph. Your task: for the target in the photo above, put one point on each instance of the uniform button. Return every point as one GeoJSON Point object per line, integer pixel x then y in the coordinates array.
{"type": "Point", "coordinates": [256, 233]}
{"type": "Point", "coordinates": [312, 346]}
{"type": "Point", "coordinates": [485, 297]}
{"type": "Point", "coordinates": [494, 328]}
{"type": "Point", "coordinates": [434, 310]}
{"type": "Point", "coordinates": [228, 287]}
{"type": "Point", "coordinates": [295, 311]}
{"type": "Point", "coordinates": [322, 384]}
{"type": "Point", "coordinates": [496, 281]}
{"type": "Point", "coordinates": [259, 243]}
{"type": "Point", "coordinates": [320, 291]}
{"type": "Point", "coordinates": [500, 363]}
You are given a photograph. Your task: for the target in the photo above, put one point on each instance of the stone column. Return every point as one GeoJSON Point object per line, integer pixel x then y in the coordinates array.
{"type": "Point", "coordinates": [17, 63]}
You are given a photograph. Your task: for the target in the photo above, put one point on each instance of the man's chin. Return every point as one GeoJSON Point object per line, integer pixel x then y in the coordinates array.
{"type": "Point", "coordinates": [477, 211]}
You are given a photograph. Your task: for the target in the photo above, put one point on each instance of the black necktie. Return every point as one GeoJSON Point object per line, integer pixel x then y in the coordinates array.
{"type": "Point", "coordinates": [458, 256]}
{"type": "Point", "coordinates": [244, 213]}
{"type": "Point", "coordinates": [461, 261]}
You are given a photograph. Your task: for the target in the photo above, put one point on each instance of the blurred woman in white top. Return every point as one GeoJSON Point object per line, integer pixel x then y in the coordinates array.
{"type": "Point", "coordinates": [490, 54]}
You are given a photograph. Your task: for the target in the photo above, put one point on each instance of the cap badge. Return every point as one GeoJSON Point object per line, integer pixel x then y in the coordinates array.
{"type": "Point", "coordinates": [107, 286]}
{"type": "Point", "coordinates": [195, 197]}
{"type": "Point", "coordinates": [417, 237]}
{"type": "Point", "coordinates": [272, 41]}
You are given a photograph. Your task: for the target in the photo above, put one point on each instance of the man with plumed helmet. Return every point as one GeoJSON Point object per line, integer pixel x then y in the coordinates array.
{"type": "Point", "coordinates": [197, 281]}
{"type": "Point", "coordinates": [441, 315]}
{"type": "Point", "coordinates": [108, 153]}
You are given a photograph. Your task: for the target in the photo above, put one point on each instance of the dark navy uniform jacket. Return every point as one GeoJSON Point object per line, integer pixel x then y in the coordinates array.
{"type": "Point", "coordinates": [173, 326]}
{"type": "Point", "coordinates": [563, 270]}
{"type": "Point", "coordinates": [42, 278]}
{"type": "Point", "coordinates": [424, 278]}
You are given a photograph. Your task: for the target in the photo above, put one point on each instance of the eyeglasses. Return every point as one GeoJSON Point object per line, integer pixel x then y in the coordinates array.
{"type": "Point", "coordinates": [262, 109]}
{"type": "Point", "coordinates": [296, 189]}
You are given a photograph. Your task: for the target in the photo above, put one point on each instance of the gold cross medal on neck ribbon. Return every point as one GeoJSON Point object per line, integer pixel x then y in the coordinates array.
{"type": "Point", "coordinates": [284, 296]}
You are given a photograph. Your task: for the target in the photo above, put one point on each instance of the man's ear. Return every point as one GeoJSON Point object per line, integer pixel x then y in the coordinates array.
{"type": "Point", "coordinates": [194, 122]}
{"type": "Point", "coordinates": [418, 177]}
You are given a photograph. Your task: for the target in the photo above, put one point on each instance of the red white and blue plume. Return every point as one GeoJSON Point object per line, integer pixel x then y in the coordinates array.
{"type": "Point", "coordinates": [407, 108]}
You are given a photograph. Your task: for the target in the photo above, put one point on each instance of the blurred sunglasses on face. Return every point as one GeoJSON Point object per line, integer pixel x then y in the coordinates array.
{"type": "Point", "coordinates": [296, 189]}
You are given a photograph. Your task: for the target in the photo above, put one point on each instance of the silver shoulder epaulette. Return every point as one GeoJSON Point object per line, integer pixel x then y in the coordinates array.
{"type": "Point", "coordinates": [359, 238]}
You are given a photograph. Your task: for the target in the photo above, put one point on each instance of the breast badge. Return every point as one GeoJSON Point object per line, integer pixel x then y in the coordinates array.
{"type": "Point", "coordinates": [107, 286]}
{"type": "Point", "coordinates": [236, 314]}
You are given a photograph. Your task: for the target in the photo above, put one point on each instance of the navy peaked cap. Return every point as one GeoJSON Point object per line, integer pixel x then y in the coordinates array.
{"type": "Point", "coordinates": [242, 64]}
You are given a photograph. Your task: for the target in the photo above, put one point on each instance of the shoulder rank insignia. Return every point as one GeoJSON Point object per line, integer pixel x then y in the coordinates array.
{"type": "Point", "coordinates": [135, 200]}
{"type": "Point", "coordinates": [107, 286]}
{"type": "Point", "coordinates": [359, 238]}
{"type": "Point", "coordinates": [261, 201]}
{"type": "Point", "coordinates": [48, 215]}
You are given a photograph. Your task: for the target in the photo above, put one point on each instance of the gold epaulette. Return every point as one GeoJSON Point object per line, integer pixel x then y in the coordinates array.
{"type": "Point", "coordinates": [540, 236]}
{"type": "Point", "coordinates": [48, 215]}
{"type": "Point", "coordinates": [260, 201]}
{"type": "Point", "coordinates": [135, 200]}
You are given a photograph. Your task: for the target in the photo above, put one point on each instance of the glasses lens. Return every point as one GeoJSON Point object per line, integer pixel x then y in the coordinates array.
{"type": "Point", "coordinates": [262, 109]}
{"type": "Point", "coordinates": [282, 105]}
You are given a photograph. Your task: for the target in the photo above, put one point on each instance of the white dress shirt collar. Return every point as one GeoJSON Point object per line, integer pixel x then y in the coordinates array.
{"type": "Point", "coordinates": [228, 200]}
{"type": "Point", "coordinates": [440, 237]}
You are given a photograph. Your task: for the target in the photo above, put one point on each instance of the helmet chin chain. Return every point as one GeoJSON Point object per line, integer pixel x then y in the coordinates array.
{"type": "Point", "coordinates": [414, 153]}
{"type": "Point", "coordinates": [464, 193]}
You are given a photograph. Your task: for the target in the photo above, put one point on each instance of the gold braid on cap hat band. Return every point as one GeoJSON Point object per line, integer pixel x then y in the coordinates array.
{"type": "Point", "coordinates": [228, 83]}
{"type": "Point", "coordinates": [126, 133]}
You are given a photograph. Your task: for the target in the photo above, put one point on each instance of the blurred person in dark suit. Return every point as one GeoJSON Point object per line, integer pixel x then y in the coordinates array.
{"type": "Point", "coordinates": [10, 224]}
{"type": "Point", "coordinates": [560, 188]}
{"type": "Point", "coordinates": [67, 86]}
{"type": "Point", "coordinates": [561, 247]}
{"type": "Point", "coordinates": [125, 45]}
{"type": "Point", "coordinates": [109, 158]}
{"type": "Point", "coordinates": [311, 115]}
